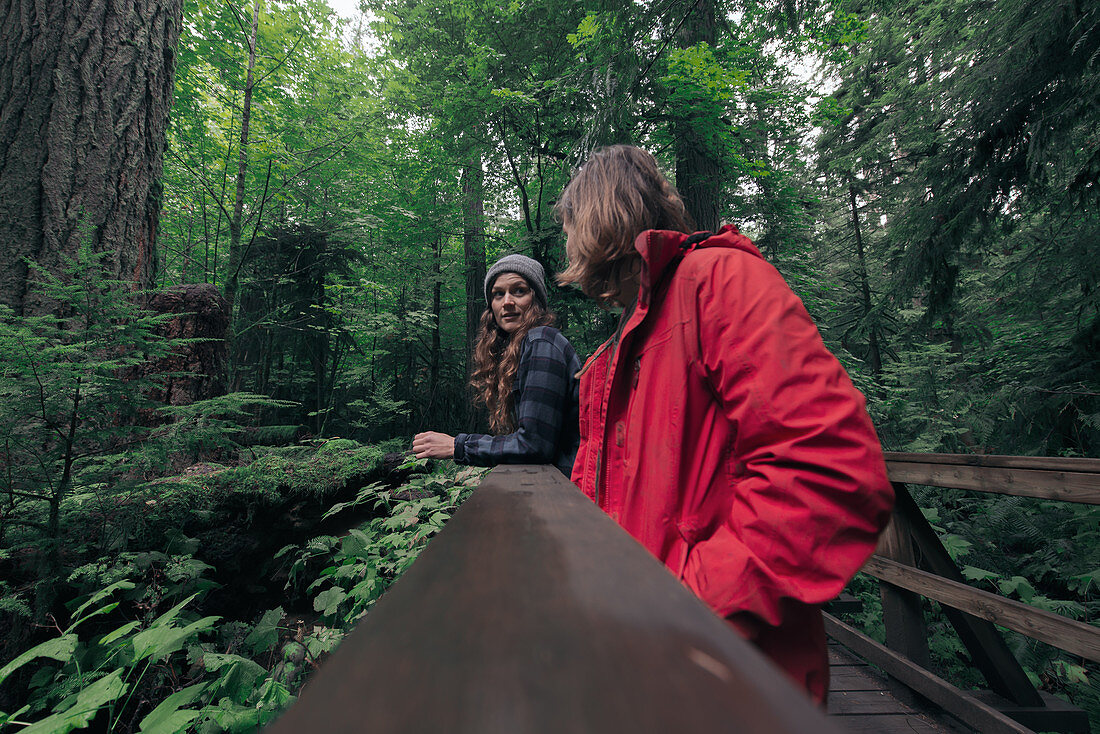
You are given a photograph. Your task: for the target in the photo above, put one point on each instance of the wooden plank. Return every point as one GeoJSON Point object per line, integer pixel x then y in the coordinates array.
{"type": "Point", "coordinates": [955, 701]}
{"type": "Point", "coordinates": [848, 703]}
{"type": "Point", "coordinates": [1000, 461]}
{"type": "Point", "coordinates": [844, 603]}
{"type": "Point", "coordinates": [1063, 486]}
{"type": "Point", "coordinates": [1055, 715]}
{"type": "Point", "coordinates": [985, 644]}
{"type": "Point", "coordinates": [533, 612]}
{"type": "Point", "coordinates": [890, 724]}
{"type": "Point", "coordinates": [853, 678]}
{"type": "Point", "coordinates": [1070, 635]}
{"type": "Point", "coordinates": [839, 656]}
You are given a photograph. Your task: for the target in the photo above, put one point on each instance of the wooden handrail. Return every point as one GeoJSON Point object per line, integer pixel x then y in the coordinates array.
{"type": "Point", "coordinates": [532, 611]}
{"type": "Point", "coordinates": [911, 542]}
{"type": "Point", "coordinates": [1045, 477]}
{"type": "Point", "coordinates": [1001, 461]}
{"type": "Point", "coordinates": [1054, 629]}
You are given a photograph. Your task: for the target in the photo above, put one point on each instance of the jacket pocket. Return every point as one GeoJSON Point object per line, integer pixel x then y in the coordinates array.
{"type": "Point", "coordinates": [682, 547]}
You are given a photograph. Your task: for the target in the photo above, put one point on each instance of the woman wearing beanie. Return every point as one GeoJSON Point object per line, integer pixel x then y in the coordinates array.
{"type": "Point", "coordinates": [524, 373]}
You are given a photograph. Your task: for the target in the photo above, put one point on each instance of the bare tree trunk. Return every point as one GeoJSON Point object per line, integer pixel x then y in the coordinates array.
{"type": "Point", "coordinates": [437, 312]}
{"type": "Point", "coordinates": [473, 247]}
{"type": "Point", "coordinates": [235, 222]}
{"type": "Point", "coordinates": [85, 89]}
{"type": "Point", "coordinates": [873, 347]}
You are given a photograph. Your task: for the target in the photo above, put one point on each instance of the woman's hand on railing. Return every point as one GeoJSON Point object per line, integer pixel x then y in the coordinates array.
{"type": "Point", "coordinates": [433, 445]}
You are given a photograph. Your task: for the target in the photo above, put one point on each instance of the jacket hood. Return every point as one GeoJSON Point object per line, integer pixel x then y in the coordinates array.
{"type": "Point", "coordinates": [661, 248]}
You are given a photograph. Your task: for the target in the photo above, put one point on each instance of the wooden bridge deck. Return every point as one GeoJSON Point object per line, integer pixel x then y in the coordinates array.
{"type": "Point", "coordinates": [861, 702]}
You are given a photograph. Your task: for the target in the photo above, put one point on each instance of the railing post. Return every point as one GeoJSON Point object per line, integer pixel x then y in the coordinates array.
{"type": "Point", "coordinates": [906, 631]}
{"type": "Point", "coordinates": [982, 640]}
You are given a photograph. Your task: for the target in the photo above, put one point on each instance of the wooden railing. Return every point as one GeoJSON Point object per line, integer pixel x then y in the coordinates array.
{"type": "Point", "coordinates": [912, 563]}
{"type": "Point", "coordinates": [532, 611]}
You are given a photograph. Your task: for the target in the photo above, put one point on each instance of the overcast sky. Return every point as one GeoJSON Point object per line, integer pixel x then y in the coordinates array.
{"type": "Point", "coordinates": [346, 8]}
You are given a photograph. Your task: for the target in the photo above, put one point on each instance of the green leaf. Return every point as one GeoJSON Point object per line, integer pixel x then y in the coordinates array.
{"type": "Point", "coordinates": [120, 632]}
{"type": "Point", "coordinates": [266, 632]}
{"type": "Point", "coordinates": [974, 573]}
{"type": "Point", "coordinates": [1017, 585]}
{"type": "Point", "coordinates": [233, 717]}
{"type": "Point", "coordinates": [1085, 581]}
{"type": "Point", "coordinates": [284, 550]}
{"type": "Point", "coordinates": [167, 718]}
{"type": "Point", "coordinates": [274, 695]}
{"type": "Point", "coordinates": [1072, 673]}
{"type": "Point", "coordinates": [327, 602]}
{"type": "Point", "coordinates": [956, 546]}
{"type": "Point", "coordinates": [87, 704]}
{"type": "Point", "coordinates": [59, 648]}
{"type": "Point", "coordinates": [238, 676]}
{"type": "Point", "coordinates": [10, 718]}
{"type": "Point", "coordinates": [159, 641]}
{"type": "Point", "coordinates": [173, 612]}
{"type": "Point", "coordinates": [124, 585]}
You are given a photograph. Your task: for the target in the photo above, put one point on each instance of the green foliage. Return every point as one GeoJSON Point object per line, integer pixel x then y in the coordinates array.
{"type": "Point", "coordinates": [139, 655]}
{"type": "Point", "coordinates": [70, 392]}
{"type": "Point", "coordinates": [358, 568]}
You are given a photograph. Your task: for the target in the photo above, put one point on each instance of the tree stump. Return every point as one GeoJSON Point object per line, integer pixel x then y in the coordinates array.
{"type": "Point", "coordinates": [203, 313]}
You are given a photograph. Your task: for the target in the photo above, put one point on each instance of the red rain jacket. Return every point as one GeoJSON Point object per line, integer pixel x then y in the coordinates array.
{"type": "Point", "coordinates": [721, 433]}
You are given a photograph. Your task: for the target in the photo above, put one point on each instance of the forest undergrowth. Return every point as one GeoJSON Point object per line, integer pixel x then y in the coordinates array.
{"type": "Point", "coordinates": [155, 633]}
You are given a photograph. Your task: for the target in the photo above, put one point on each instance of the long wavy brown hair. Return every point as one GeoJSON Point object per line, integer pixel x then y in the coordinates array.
{"type": "Point", "coordinates": [614, 197]}
{"type": "Point", "coordinates": [496, 362]}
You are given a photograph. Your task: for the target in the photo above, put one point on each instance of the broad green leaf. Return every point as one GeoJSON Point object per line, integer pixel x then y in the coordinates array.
{"type": "Point", "coordinates": [167, 718]}
{"type": "Point", "coordinates": [238, 676]}
{"type": "Point", "coordinates": [59, 648]}
{"type": "Point", "coordinates": [173, 612]}
{"type": "Point", "coordinates": [274, 695]}
{"type": "Point", "coordinates": [124, 585]}
{"type": "Point", "coordinates": [1017, 585]}
{"type": "Point", "coordinates": [284, 550]}
{"type": "Point", "coordinates": [974, 573]}
{"type": "Point", "coordinates": [956, 546]}
{"type": "Point", "coordinates": [266, 632]}
{"type": "Point", "coordinates": [1082, 583]}
{"type": "Point", "coordinates": [327, 602]}
{"type": "Point", "coordinates": [102, 610]}
{"type": "Point", "coordinates": [160, 641]}
{"type": "Point", "coordinates": [233, 717]}
{"type": "Point", "coordinates": [120, 632]}
{"type": "Point", "coordinates": [87, 704]}
{"type": "Point", "coordinates": [1071, 672]}
{"type": "Point", "coordinates": [12, 718]}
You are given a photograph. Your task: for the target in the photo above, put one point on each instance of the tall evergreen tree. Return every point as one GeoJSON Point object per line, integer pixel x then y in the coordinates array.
{"type": "Point", "coordinates": [85, 89]}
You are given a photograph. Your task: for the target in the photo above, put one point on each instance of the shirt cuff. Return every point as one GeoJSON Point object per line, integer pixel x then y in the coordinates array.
{"type": "Point", "coordinates": [460, 449]}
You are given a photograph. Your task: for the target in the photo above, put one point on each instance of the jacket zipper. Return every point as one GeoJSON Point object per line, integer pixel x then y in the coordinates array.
{"type": "Point", "coordinates": [615, 343]}
{"type": "Point", "coordinates": [599, 468]}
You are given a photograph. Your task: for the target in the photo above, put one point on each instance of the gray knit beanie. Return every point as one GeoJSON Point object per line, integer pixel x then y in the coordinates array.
{"type": "Point", "coordinates": [530, 269]}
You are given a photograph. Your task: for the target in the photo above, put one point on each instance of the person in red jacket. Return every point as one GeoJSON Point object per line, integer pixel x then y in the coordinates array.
{"type": "Point", "coordinates": [716, 428]}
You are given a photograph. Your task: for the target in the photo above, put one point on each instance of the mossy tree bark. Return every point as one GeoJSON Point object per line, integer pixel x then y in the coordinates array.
{"type": "Point", "coordinates": [85, 89]}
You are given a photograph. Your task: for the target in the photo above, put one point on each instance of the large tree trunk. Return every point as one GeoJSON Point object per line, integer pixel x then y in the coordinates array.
{"type": "Point", "coordinates": [698, 174]}
{"type": "Point", "coordinates": [85, 88]}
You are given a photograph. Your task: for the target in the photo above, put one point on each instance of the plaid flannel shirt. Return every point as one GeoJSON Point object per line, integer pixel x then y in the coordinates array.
{"type": "Point", "coordinates": [545, 391]}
